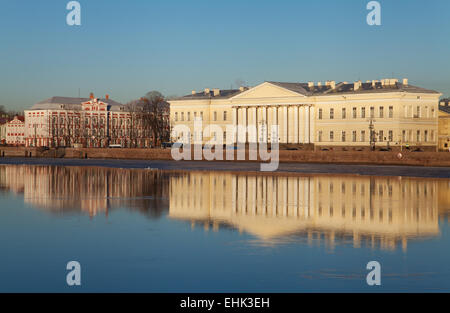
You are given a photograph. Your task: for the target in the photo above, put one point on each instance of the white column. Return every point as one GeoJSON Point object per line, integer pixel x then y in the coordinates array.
{"type": "Point", "coordinates": [285, 124]}
{"type": "Point", "coordinates": [312, 124]}
{"type": "Point", "coordinates": [296, 124]}
{"type": "Point", "coordinates": [244, 123]}
{"type": "Point", "coordinates": [234, 118]}
{"type": "Point", "coordinates": [275, 121]}
{"type": "Point", "coordinates": [265, 123]}
{"type": "Point", "coordinates": [301, 128]}
{"type": "Point", "coordinates": [239, 123]}
{"type": "Point", "coordinates": [307, 128]}
{"type": "Point", "coordinates": [254, 124]}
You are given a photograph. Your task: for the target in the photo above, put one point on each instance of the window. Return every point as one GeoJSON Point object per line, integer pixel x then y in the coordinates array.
{"type": "Point", "coordinates": [432, 135]}
{"type": "Point", "coordinates": [404, 136]}
{"type": "Point", "coordinates": [224, 115]}
{"type": "Point", "coordinates": [372, 112]}
{"type": "Point", "coordinates": [331, 135]}
{"type": "Point", "coordinates": [344, 113]}
{"type": "Point", "coordinates": [417, 112]}
{"type": "Point", "coordinates": [188, 116]}
{"type": "Point", "coordinates": [425, 136]}
{"type": "Point", "coordinates": [354, 113]}
{"type": "Point", "coordinates": [391, 112]}
{"type": "Point", "coordinates": [343, 136]}
{"type": "Point", "coordinates": [363, 112]}
{"type": "Point", "coordinates": [176, 116]}
{"type": "Point", "coordinates": [182, 116]}
{"type": "Point", "coordinates": [201, 115]}
{"type": "Point", "coordinates": [319, 136]}
{"type": "Point", "coordinates": [418, 136]}
{"type": "Point", "coordinates": [380, 136]}
{"type": "Point", "coordinates": [215, 116]}
{"type": "Point", "coordinates": [391, 135]}
{"type": "Point", "coordinates": [381, 112]}
{"type": "Point", "coordinates": [331, 114]}
{"type": "Point", "coordinates": [354, 136]}
{"type": "Point", "coordinates": [320, 114]}
{"type": "Point", "coordinates": [363, 136]}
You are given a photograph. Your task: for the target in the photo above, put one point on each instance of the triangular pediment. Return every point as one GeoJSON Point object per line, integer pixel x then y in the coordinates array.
{"type": "Point", "coordinates": [268, 90]}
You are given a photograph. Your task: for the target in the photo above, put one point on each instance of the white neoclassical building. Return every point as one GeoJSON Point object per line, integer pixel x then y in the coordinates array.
{"type": "Point", "coordinates": [383, 113]}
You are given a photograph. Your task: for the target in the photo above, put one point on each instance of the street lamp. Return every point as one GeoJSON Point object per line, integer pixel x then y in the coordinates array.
{"type": "Point", "coordinates": [372, 134]}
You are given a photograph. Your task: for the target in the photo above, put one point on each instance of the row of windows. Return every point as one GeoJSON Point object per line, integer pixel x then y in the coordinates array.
{"type": "Point", "coordinates": [96, 120]}
{"type": "Point", "coordinates": [97, 132]}
{"type": "Point", "coordinates": [182, 116]}
{"type": "Point", "coordinates": [380, 136]}
{"type": "Point", "coordinates": [380, 112]}
{"type": "Point", "coordinates": [362, 113]}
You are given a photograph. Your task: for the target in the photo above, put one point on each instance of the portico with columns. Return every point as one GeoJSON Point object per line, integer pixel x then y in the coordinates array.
{"type": "Point", "coordinates": [295, 122]}
{"type": "Point", "coordinates": [265, 106]}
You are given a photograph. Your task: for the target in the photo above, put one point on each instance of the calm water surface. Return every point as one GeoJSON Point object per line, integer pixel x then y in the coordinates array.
{"type": "Point", "coordinates": [159, 231]}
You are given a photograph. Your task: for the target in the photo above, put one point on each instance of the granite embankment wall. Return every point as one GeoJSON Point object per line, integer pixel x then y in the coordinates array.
{"type": "Point", "coordinates": [338, 157]}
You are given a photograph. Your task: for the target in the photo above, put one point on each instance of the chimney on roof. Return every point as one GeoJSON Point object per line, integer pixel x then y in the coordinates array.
{"type": "Point", "coordinates": [91, 96]}
{"type": "Point", "coordinates": [107, 97]}
{"type": "Point", "coordinates": [333, 84]}
{"type": "Point", "coordinates": [310, 84]}
{"type": "Point", "coordinates": [216, 92]}
{"type": "Point", "coordinates": [194, 92]}
{"type": "Point", "coordinates": [242, 89]}
{"type": "Point", "coordinates": [405, 81]}
{"type": "Point", "coordinates": [207, 91]}
{"type": "Point", "coordinates": [357, 85]}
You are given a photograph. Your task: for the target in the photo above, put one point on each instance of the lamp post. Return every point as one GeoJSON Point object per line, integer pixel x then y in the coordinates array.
{"type": "Point", "coordinates": [372, 134]}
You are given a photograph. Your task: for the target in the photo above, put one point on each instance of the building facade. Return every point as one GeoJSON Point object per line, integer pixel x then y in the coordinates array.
{"type": "Point", "coordinates": [444, 126]}
{"type": "Point", "coordinates": [380, 211]}
{"type": "Point", "coordinates": [3, 124]}
{"type": "Point", "coordinates": [84, 122]}
{"type": "Point", "coordinates": [15, 131]}
{"type": "Point", "coordinates": [381, 114]}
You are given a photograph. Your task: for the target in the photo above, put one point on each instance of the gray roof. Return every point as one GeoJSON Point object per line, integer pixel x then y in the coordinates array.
{"type": "Point", "coordinates": [445, 108]}
{"type": "Point", "coordinates": [304, 89]}
{"type": "Point", "coordinates": [224, 94]}
{"type": "Point", "coordinates": [69, 103]}
{"type": "Point", "coordinates": [345, 88]}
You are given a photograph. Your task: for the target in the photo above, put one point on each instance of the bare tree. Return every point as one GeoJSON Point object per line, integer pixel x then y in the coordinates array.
{"type": "Point", "coordinates": [150, 116]}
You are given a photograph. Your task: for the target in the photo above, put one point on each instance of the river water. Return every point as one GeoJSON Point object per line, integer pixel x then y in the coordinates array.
{"type": "Point", "coordinates": [144, 230]}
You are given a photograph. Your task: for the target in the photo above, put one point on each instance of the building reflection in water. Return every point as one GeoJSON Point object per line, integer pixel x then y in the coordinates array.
{"type": "Point", "coordinates": [377, 211]}
{"type": "Point", "coordinates": [92, 190]}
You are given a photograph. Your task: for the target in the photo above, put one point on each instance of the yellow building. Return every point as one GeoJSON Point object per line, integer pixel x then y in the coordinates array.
{"type": "Point", "coordinates": [329, 115]}
{"type": "Point", "coordinates": [444, 126]}
{"type": "Point", "coordinates": [378, 211]}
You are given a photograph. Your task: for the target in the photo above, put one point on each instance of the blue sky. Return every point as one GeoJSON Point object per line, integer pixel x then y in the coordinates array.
{"type": "Point", "coordinates": [127, 48]}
